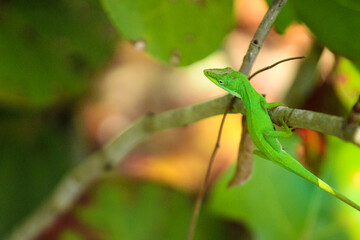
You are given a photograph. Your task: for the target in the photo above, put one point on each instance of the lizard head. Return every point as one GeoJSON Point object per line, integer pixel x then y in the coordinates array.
{"type": "Point", "coordinates": [226, 78]}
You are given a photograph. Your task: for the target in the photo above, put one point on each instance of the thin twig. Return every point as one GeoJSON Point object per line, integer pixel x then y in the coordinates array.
{"type": "Point", "coordinates": [273, 65]}
{"type": "Point", "coordinates": [203, 188]}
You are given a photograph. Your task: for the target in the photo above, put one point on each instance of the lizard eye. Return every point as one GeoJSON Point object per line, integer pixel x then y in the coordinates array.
{"type": "Point", "coordinates": [221, 82]}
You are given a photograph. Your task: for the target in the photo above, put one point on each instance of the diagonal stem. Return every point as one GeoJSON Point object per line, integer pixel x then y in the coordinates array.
{"type": "Point", "coordinates": [204, 187]}
{"type": "Point", "coordinates": [260, 35]}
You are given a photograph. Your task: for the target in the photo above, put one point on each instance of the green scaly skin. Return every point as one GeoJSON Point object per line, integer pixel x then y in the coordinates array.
{"type": "Point", "coordinates": [261, 128]}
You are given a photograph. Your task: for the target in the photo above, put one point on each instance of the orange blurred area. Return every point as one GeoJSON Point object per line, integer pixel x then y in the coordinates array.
{"type": "Point", "coordinates": [135, 84]}
{"type": "Point", "coordinates": [179, 157]}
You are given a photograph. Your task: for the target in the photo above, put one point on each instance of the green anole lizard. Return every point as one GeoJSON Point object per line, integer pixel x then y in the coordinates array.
{"type": "Point", "coordinates": [261, 128]}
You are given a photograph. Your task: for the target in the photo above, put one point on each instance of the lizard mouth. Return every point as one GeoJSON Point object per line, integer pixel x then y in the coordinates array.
{"type": "Point", "coordinates": [207, 72]}
{"type": "Point", "coordinates": [210, 75]}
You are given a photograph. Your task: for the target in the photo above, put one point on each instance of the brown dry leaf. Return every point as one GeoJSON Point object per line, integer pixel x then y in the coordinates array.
{"type": "Point", "coordinates": [244, 165]}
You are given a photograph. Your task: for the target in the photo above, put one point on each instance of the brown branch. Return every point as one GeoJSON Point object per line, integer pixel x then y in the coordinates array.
{"type": "Point", "coordinates": [92, 168]}
{"type": "Point", "coordinates": [260, 35]}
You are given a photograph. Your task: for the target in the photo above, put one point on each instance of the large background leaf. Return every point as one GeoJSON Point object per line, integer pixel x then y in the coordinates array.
{"type": "Point", "coordinates": [347, 84]}
{"type": "Point", "coordinates": [50, 49]}
{"type": "Point", "coordinates": [334, 23]}
{"type": "Point", "coordinates": [125, 210]}
{"type": "Point", "coordinates": [34, 154]}
{"type": "Point", "coordinates": [187, 30]}
{"type": "Point", "coordinates": [49, 52]}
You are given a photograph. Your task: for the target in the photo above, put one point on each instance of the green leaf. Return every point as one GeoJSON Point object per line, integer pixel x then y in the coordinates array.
{"type": "Point", "coordinates": [347, 84]}
{"type": "Point", "coordinates": [123, 210]}
{"type": "Point", "coordinates": [277, 204]}
{"type": "Point", "coordinates": [178, 32]}
{"type": "Point", "coordinates": [344, 165]}
{"type": "Point", "coordinates": [70, 235]}
{"type": "Point", "coordinates": [34, 154]}
{"type": "Point", "coordinates": [335, 23]}
{"type": "Point", "coordinates": [50, 49]}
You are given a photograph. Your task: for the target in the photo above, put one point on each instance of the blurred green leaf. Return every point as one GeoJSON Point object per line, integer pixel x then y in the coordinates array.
{"type": "Point", "coordinates": [70, 235]}
{"type": "Point", "coordinates": [277, 204]}
{"type": "Point", "coordinates": [49, 50]}
{"type": "Point", "coordinates": [33, 157]}
{"type": "Point", "coordinates": [347, 84]}
{"type": "Point", "coordinates": [178, 32]}
{"type": "Point", "coordinates": [344, 166]}
{"type": "Point", "coordinates": [335, 23]}
{"type": "Point", "coordinates": [144, 211]}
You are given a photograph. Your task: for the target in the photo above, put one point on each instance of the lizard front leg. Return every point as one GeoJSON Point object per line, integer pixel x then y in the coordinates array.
{"type": "Point", "coordinates": [278, 134]}
{"type": "Point", "coordinates": [283, 119]}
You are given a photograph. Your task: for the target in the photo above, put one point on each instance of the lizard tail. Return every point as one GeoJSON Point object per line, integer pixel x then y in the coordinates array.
{"type": "Point", "coordinates": [306, 174]}
{"type": "Point", "coordinates": [335, 193]}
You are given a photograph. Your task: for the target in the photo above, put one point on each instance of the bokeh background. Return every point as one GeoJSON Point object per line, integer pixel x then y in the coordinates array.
{"type": "Point", "coordinates": [74, 74]}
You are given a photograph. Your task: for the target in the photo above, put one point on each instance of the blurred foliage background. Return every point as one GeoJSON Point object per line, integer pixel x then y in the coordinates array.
{"type": "Point", "coordinates": [73, 74]}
